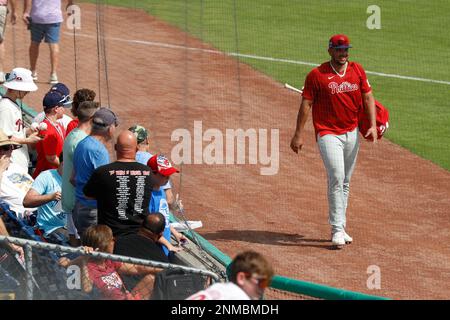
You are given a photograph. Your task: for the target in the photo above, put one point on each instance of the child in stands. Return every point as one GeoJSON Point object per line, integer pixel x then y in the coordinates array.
{"type": "Point", "coordinates": [104, 274]}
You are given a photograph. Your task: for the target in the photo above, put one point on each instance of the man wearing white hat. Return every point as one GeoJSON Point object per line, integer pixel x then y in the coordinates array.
{"type": "Point", "coordinates": [18, 83]}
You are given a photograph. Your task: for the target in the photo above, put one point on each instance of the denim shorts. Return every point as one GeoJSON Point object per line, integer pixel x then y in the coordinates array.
{"type": "Point", "coordinates": [49, 31]}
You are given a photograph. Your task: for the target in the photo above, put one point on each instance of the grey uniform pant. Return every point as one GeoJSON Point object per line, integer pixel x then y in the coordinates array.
{"type": "Point", "coordinates": [339, 153]}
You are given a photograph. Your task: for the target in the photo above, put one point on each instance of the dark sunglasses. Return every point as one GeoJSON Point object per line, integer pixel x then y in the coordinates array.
{"type": "Point", "coordinates": [9, 147]}
{"type": "Point", "coordinates": [261, 282]}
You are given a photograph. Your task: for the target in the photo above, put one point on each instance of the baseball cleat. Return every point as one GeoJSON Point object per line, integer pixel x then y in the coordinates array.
{"type": "Point", "coordinates": [338, 239]}
{"type": "Point", "coordinates": [347, 238]}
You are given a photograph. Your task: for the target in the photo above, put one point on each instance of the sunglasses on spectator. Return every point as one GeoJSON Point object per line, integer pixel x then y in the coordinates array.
{"type": "Point", "coordinates": [9, 147]}
{"type": "Point", "coordinates": [64, 100]}
{"type": "Point", "coordinates": [261, 282]}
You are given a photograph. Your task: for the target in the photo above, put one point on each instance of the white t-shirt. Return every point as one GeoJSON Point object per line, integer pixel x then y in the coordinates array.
{"type": "Point", "coordinates": [64, 121]}
{"type": "Point", "coordinates": [221, 291]}
{"type": "Point", "coordinates": [11, 123]}
{"type": "Point", "coordinates": [15, 184]}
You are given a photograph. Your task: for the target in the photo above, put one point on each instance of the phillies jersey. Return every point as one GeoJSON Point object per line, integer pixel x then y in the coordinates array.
{"type": "Point", "coordinates": [12, 124]}
{"type": "Point", "coordinates": [336, 98]}
{"type": "Point", "coordinates": [51, 144]}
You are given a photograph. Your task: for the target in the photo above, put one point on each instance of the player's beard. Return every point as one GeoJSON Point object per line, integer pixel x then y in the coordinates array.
{"type": "Point", "coordinates": [340, 60]}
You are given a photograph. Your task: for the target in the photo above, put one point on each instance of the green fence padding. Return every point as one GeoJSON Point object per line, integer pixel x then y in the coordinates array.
{"type": "Point", "coordinates": [318, 291]}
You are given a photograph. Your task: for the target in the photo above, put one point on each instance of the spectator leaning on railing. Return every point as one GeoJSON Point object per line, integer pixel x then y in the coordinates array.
{"type": "Point", "coordinates": [143, 244]}
{"type": "Point", "coordinates": [105, 274]}
{"type": "Point", "coordinates": [161, 171]}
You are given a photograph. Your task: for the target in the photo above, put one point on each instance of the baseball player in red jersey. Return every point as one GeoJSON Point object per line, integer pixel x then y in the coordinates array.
{"type": "Point", "coordinates": [335, 91]}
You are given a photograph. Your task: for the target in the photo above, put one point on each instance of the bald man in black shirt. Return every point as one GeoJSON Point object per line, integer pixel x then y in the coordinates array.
{"type": "Point", "coordinates": [122, 189]}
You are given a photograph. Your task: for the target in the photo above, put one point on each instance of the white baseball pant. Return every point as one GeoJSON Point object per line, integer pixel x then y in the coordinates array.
{"type": "Point", "coordinates": [339, 153]}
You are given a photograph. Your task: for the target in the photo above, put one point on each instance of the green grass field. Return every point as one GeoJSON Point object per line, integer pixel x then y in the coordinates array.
{"type": "Point", "coordinates": [413, 41]}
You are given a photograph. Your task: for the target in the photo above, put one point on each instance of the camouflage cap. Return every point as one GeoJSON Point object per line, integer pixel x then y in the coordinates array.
{"type": "Point", "coordinates": [140, 132]}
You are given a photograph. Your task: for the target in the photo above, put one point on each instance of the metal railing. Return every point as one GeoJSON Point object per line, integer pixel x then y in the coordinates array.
{"type": "Point", "coordinates": [29, 245]}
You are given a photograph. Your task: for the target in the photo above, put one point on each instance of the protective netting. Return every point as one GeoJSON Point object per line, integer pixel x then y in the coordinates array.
{"type": "Point", "coordinates": [193, 71]}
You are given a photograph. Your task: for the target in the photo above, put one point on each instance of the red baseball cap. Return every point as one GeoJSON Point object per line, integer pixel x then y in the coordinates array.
{"type": "Point", "coordinates": [159, 163]}
{"type": "Point", "coordinates": [339, 41]}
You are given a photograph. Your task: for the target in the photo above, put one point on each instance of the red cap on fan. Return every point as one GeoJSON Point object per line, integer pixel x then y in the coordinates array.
{"type": "Point", "coordinates": [160, 164]}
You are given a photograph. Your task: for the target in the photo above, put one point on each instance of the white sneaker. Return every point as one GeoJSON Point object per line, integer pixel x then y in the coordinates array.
{"type": "Point", "coordinates": [53, 79]}
{"type": "Point", "coordinates": [338, 239]}
{"type": "Point", "coordinates": [34, 76]}
{"type": "Point", "coordinates": [347, 238]}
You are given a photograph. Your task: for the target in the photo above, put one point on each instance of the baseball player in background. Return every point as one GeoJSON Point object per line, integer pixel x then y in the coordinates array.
{"type": "Point", "coordinates": [335, 91]}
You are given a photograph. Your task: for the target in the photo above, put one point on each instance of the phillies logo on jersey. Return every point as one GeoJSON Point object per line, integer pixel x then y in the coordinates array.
{"type": "Point", "coordinates": [19, 124]}
{"type": "Point", "coordinates": [343, 87]}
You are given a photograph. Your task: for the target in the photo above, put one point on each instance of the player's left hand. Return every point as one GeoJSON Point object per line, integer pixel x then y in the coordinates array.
{"type": "Point", "coordinates": [372, 132]}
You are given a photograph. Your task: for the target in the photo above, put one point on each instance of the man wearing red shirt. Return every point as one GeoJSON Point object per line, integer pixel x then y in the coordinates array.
{"type": "Point", "coordinates": [50, 147]}
{"type": "Point", "coordinates": [336, 90]}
